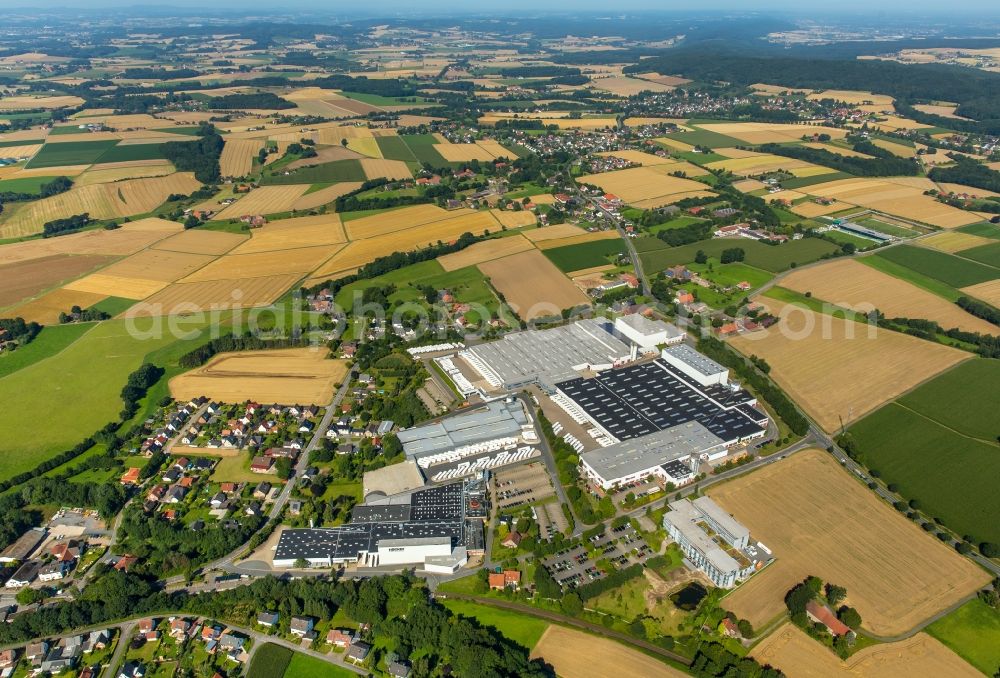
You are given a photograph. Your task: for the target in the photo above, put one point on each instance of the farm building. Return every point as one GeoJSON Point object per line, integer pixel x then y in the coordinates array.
{"type": "Point", "coordinates": [713, 540]}
{"type": "Point", "coordinates": [647, 333]}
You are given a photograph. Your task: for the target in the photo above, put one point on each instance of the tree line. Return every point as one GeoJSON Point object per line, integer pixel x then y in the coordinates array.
{"type": "Point", "coordinates": [46, 190]}
{"type": "Point", "coordinates": [883, 165]}
{"type": "Point", "coordinates": [67, 225]}
{"type": "Point", "coordinates": [243, 101]}
{"type": "Point", "coordinates": [968, 172]}
{"type": "Point", "coordinates": [236, 342]}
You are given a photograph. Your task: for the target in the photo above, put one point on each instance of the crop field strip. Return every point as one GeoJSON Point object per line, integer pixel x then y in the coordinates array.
{"type": "Point", "coordinates": [643, 184]}
{"type": "Point", "coordinates": [838, 370]}
{"type": "Point", "coordinates": [189, 297]}
{"type": "Point", "coordinates": [657, 256]}
{"type": "Point", "coordinates": [789, 649]}
{"type": "Point", "coordinates": [532, 285]}
{"type": "Point", "coordinates": [264, 200]}
{"type": "Point", "coordinates": [485, 251]}
{"type": "Point", "coordinates": [238, 156]}
{"type": "Point", "coordinates": [575, 654]}
{"type": "Point", "coordinates": [297, 232]}
{"type": "Point", "coordinates": [26, 279]}
{"type": "Point", "coordinates": [949, 269]}
{"type": "Point", "coordinates": [842, 533]}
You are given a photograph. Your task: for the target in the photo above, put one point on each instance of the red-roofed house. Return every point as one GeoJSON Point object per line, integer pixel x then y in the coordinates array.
{"type": "Point", "coordinates": [506, 579]}
{"type": "Point", "coordinates": [823, 615]}
{"type": "Point", "coordinates": [131, 477]}
{"type": "Point", "coordinates": [125, 562]}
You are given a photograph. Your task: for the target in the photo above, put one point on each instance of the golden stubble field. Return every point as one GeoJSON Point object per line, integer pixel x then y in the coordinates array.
{"type": "Point", "coordinates": [214, 295]}
{"type": "Point", "coordinates": [644, 184]}
{"type": "Point", "coordinates": [291, 376]}
{"type": "Point", "coordinates": [818, 520]}
{"type": "Point", "coordinates": [920, 656]}
{"type": "Point", "coordinates": [264, 200]}
{"type": "Point", "coordinates": [320, 229]}
{"type": "Point", "coordinates": [988, 291]}
{"type": "Point", "coordinates": [532, 285]}
{"type": "Point", "coordinates": [770, 132]}
{"type": "Point", "coordinates": [25, 279]}
{"type": "Point", "coordinates": [100, 201]}
{"type": "Point", "coordinates": [485, 251]}
{"type": "Point", "coordinates": [238, 155]}
{"type": "Point", "coordinates": [850, 284]}
{"type": "Point", "coordinates": [838, 370]}
{"type": "Point", "coordinates": [575, 654]}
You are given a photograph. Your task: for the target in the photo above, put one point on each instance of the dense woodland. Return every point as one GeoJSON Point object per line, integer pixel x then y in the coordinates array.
{"type": "Point", "coordinates": [884, 164]}
{"type": "Point", "coordinates": [969, 172]}
{"type": "Point", "coordinates": [200, 156]}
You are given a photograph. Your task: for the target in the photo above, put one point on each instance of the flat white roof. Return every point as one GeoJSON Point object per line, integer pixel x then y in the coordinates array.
{"type": "Point", "coordinates": [685, 516]}
{"type": "Point", "coordinates": [649, 451]}
{"type": "Point", "coordinates": [649, 326]}
{"type": "Point", "coordinates": [690, 357]}
{"type": "Point", "coordinates": [721, 518]}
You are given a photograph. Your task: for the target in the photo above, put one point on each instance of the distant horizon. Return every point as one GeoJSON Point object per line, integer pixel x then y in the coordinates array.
{"type": "Point", "coordinates": [893, 9]}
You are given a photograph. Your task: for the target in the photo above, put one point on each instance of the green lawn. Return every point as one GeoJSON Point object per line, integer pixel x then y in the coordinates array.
{"type": "Point", "coordinates": [49, 341]}
{"type": "Point", "coordinates": [30, 185]}
{"type": "Point", "coordinates": [270, 661]}
{"type": "Point", "coordinates": [773, 258]}
{"type": "Point", "coordinates": [19, 142]}
{"type": "Point", "coordinates": [949, 269]}
{"type": "Point", "coordinates": [523, 629]}
{"type": "Point", "coordinates": [973, 632]}
{"type": "Point", "coordinates": [304, 666]}
{"type": "Point", "coordinates": [859, 242]}
{"type": "Point", "coordinates": [802, 182]}
{"type": "Point", "coordinates": [76, 391]}
{"type": "Point", "coordinates": [675, 223]}
{"type": "Point", "coordinates": [585, 254]}
{"type": "Point", "coordinates": [328, 172]}
{"type": "Point", "coordinates": [905, 440]}
{"type": "Point", "coordinates": [731, 274]}
{"type": "Point", "coordinates": [70, 153]}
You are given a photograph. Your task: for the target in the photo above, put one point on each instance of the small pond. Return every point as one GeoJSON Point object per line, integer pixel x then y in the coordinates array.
{"type": "Point", "coordinates": [687, 598]}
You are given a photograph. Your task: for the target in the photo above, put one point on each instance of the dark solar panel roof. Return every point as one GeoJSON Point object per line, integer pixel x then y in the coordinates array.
{"type": "Point", "coordinates": [638, 400]}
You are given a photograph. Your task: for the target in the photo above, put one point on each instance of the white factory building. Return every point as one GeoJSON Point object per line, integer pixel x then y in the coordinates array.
{"type": "Point", "coordinates": [647, 333]}
{"type": "Point", "coordinates": [701, 368]}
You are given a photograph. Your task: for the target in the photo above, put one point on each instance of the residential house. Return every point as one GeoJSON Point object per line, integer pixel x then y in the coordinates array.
{"type": "Point", "coordinates": [132, 669]}
{"type": "Point", "coordinates": [508, 579]}
{"type": "Point", "coordinates": [341, 638]}
{"type": "Point", "coordinates": [358, 652]}
{"type": "Point", "coordinates": [262, 490]}
{"type": "Point", "coordinates": [53, 571]}
{"type": "Point", "coordinates": [261, 465]}
{"type": "Point", "coordinates": [179, 628]}
{"type": "Point", "coordinates": [267, 619]}
{"type": "Point", "coordinates": [512, 540]}
{"type": "Point", "coordinates": [24, 575]}
{"type": "Point", "coordinates": [398, 669]}
{"type": "Point", "coordinates": [96, 641]}
{"type": "Point", "coordinates": [125, 562]}
{"type": "Point", "coordinates": [302, 626]}
{"type": "Point", "coordinates": [131, 476]}
{"type": "Point", "coordinates": [253, 509]}
{"type": "Point", "coordinates": [35, 652]}
{"type": "Point", "coordinates": [175, 494]}
{"type": "Point", "coordinates": [822, 614]}
{"type": "Point", "coordinates": [8, 658]}
{"type": "Point", "coordinates": [156, 494]}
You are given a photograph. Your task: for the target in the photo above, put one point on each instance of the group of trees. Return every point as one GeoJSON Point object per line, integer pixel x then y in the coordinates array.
{"type": "Point", "coordinates": [66, 225]}
{"type": "Point", "coordinates": [884, 163]}
{"type": "Point", "coordinates": [136, 386]}
{"type": "Point", "coordinates": [243, 101]}
{"type": "Point", "coordinates": [987, 345]}
{"type": "Point", "coordinates": [77, 314]}
{"type": "Point", "coordinates": [235, 342]}
{"type": "Point", "coordinates": [46, 190]}
{"type": "Point", "coordinates": [569, 475]}
{"type": "Point", "coordinates": [968, 172]}
{"type": "Point", "coordinates": [200, 156]}
{"type": "Point", "coordinates": [980, 309]}
{"type": "Point", "coordinates": [16, 329]}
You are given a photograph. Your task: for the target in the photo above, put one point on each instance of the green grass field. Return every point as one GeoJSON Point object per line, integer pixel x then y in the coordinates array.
{"type": "Point", "coordinates": [985, 254]}
{"type": "Point", "coordinates": [773, 258]}
{"type": "Point", "coordinates": [706, 138]}
{"type": "Point", "coordinates": [270, 661]}
{"type": "Point", "coordinates": [26, 185]}
{"type": "Point", "coordinates": [949, 423]}
{"type": "Point", "coordinates": [731, 274]}
{"type": "Point", "coordinates": [19, 142]}
{"type": "Point", "coordinates": [70, 394]}
{"type": "Point", "coordinates": [973, 633]}
{"type": "Point", "coordinates": [802, 182]}
{"type": "Point", "coordinates": [131, 152]}
{"type": "Point", "coordinates": [788, 296]}
{"type": "Point", "coordinates": [70, 153]}
{"type": "Point", "coordinates": [675, 223]}
{"type": "Point", "coordinates": [949, 269]}
{"type": "Point", "coordinates": [585, 254]}
{"type": "Point", "coordinates": [49, 341]}
{"type": "Point", "coordinates": [114, 305]}
{"type": "Point", "coordinates": [328, 172]}
{"type": "Point", "coordinates": [984, 229]}
{"type": "Point", "coordinates": [522, 629]}
{"type": "Point", "coordinates": [394, 148]}
{"type": "Point", "coordinates": [304, 666]}
{"type": "Point", "coordinates": [422, 147]}
{"type": "Point", "coordinates": [909, 275]}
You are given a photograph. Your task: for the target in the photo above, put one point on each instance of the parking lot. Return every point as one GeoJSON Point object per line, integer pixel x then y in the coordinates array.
{"type": "Point", "coordinates": [551, 519]}
{"type": "Point", "coordinates": [521, 485]}
{"type": "Point", "coordinates": [622, 546]}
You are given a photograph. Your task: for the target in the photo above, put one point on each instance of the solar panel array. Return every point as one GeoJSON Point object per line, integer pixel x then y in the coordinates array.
{"type": "Point", "coordinates": [640, 399]}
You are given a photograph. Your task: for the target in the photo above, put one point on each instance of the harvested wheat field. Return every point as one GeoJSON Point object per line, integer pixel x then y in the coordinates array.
{"type": "Point", "coordinates": [577, 239]}
{"type": "Point", "coordinates": [749, 185]}
{"type": "Point", "coordinates": [117, 286]}
{"type": "Point", "coordinates": [988, 291]}
{"type": "Point", "coordinates": [810, 208]}
{"type": "Point", "coordinates": [770, 132]}
{"type": "Point", "coordinates": [496, 149]}
{"type": "Point", "coordinates": [838, 150]}
{"type": "Point", "coordinates": [299, 375]}
{"type": "Point", "coordinates": [360, 252]}
{"type": "Point", "coordinates": [326, 195]}
{"type": "Point", "coordinates": [264, 200]}
{"type": "Point", "coordinates": [20, 103]}
{"type": "Point", "coordinates": [553, 232]}
{"type": "Point", "coordinates": [259, 264]}
{"type": "Point", "coordinates": [46, 308]}
{"type": "Point", "coordinates": [400, 219]}
{"type": "Point", "coordinates": [851, 97]}
{"type": "Point", "coordinates": [185, 298]}
{"type": "Point", "coordinates": [628, 87]}
{"type": "Point", "coordinates": [486, 250]}
{"type": "Point", "coordinates": [895, 198]}
{"type": "Point", "coordinates": [515, 219]}
{"type": "Point", "coordinates": [17, 172]}
{"type": "Point", "coordinates": [575, 654]}
{"type": "Point", "coordinates": [238, 156]}
{"type": "Point", "coordinates": [920, 656]}
{"type": "Point", "coordinates": [366, 147]}
{"type": "Point", "coordinates": [954, 241]}
{"type": "Point", "coordinates": [641, 184]}
{"type": "Point", "coordinates": [532, 285]}
{"type": "Point", "coordinates": [850, 284]}
{"type": "Point", "coordinates": [110, 173]}
{"type": "Point", "coordinates": [839, 370]}
{"type": "Point", "coordinates": [324, 155]}
{"type": "Point", "coordinates": [201, 242]}
{"type": "Point", "coordinates": [21, 152]}
{"type": "Point", "coordinates": [902, 150]}
{"type": "Point", "coordinates": [100, 201]}
{"type": "Point", "coordinates": [463, 152]}
{"type": "Point", "coordinates": [286, 234]}
{"type": "Point", "coordinates": [25, 279]}
{"type": "Point", "coordinates": [818, 520]}
{"type": "Point", "coordinates": [759, 164]}
{"type": "Point", "coordinates": [117, 242]}
{"type": "Point", "coordinates": [376, 168]}
{"type": "Point", "coordinates": [162, 265]}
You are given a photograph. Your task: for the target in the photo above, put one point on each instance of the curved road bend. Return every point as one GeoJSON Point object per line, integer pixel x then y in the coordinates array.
{"type": "Point", "coordinates": [602, 631]}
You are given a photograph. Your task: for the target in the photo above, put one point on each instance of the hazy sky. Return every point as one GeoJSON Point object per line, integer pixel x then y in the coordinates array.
{"type": "Point", "coordinates": [801, 7]}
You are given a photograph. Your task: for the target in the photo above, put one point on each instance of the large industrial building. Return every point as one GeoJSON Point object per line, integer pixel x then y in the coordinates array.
{"type": "Point", "coordinates": [434, 529]}
{"type": "Point", "coordinates": [655, 413]}
{"type": "Point", "coordinates": [648, 333]}
{"type": "Point", "coordinates": [546, 357]}
{"type": "Point", "coordinates": [496, 434]}
{"type": "Point", "coordinates": [714, 541]}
